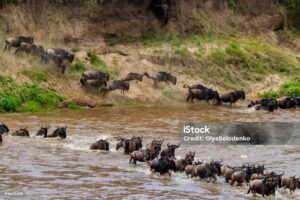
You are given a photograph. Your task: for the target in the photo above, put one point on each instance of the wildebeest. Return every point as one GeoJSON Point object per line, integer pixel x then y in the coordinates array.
{"type": "Point", "coordinates": [3, 129]}
{"type": "Point", "coordinates": [25, 47]}
{"type": "Point", "coordinates": [196, 86]}
{"type": "Point", "coordinates": [59, 132]}
{"type": "Point", "coordinates": [130, 145]}
{"type": "Point", "coordinates": [60, 57]}
{"type": "Point", "coordinates": [203, 95]}
{"type": "Point", "coordinates": [23, 132]}
{"type": "Point", "coordinates": [95, 75]}
{"type": "Point", "coordinates": [162, 165]}
{"type": "Point", "coordinates": [169, 152]}
{"type": "Point", "coordinates": [161, 10]}
{"type": "Point", "coordinates": [43, 131]}
{"type": "Point", "coordinates": [142, 155]}
{"type": "Point", "coordinates": [15, 42]}
{"type": "Point", "coordinates": [182, 163]}
{"type": "Point", "coordinates": [121, 85]}
{"type": "Point", "coordinates": [135, 76]}
{"type": "Point", "coordinates": [290, 182]}
{"type": "Point", "coordinates": [232, 97]}
{"type": "Point", "coordinates": [287, 102]}
{"type": "Point", "coordinates": [100, 145]}
{"type": "Point", "coordinates": [264, 104]}
{"type": "Point", "coordinates": [209, 170]}
{"type": "Point", "coordinates": [96, 83]}
{"type": "Point", "coordinates": [240, 176]}
{"type": "Point", "coordinates": [192, 169]}
{"type": "Point", "coordinates": [228, 171]}
{"type": "Point", "coordinates": [164, 77]}
{"type": "Point", "coordinates": [155, 146]}
{"type": "Point", "coordinates": [263, 187]}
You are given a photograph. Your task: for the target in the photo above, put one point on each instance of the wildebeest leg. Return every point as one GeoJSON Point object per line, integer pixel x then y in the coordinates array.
{"type": "Point", "coordinates": [130, 159]}
{"type": "Point", "coordinates": [188, 98]}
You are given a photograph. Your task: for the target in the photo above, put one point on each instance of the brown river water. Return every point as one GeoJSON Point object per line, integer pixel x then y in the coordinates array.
{"type": "Point", "coordinates": [67, 169]}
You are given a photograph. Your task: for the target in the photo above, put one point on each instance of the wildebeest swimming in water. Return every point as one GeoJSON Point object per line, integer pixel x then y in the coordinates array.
{"type": "Point", "coordinates": [163, 77]}
{"type": "Point", "coordinates": [43, 131]}
{"type": "Point", "coordinates": [59, 132]}
{"type": "Point", "coordinates": [263, 186]}
{"type": "Point", "coordinates": [3, 129]}
{"type": "Point", "coordinates": [15, 42]}
{"type": "Point", "coordinates": [100, 145]}
{"type": "Point", "coordinates": [130, 145]}
{"type": "Point", "coordinates": [162, 165]}
{"type": "Point", "coordinates": [169, 152]}
{"type": "Point", "coordinates": [23, 132]}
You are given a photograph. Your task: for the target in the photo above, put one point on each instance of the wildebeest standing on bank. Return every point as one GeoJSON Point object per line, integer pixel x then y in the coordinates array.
{"type": "Point", "coordinates": [100, 145]}
{"type": "Point", "coordinates": [59, 132]}
{"type": "Point", "coordinates": [135, 76]}
{"type": "Point", "coordinates": [164, 77]}
{"type": "Point", "coordinates": [15, 42]}
{"type": "Point", "coordinates": [23, 132]}
{"type": "Point", "coordinates": [3, 129]}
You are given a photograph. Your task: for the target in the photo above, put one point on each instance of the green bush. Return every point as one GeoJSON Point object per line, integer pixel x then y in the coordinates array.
{"type": "Point", "coordinates": [26, 98]}
{"type": "Point", "coordinates": [36, 76]}
{"type": "Point", "coordinates": [73, 106]}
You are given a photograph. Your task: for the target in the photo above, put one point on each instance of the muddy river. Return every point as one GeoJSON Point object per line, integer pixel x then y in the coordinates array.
{"type": "Point", "coordinates": [38, 168]}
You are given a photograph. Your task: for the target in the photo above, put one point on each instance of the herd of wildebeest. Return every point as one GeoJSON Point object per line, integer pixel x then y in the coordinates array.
{"type": "Point", "coordinates": [163, 161]}
{"type": "Point", "coordinates": [99, 80]}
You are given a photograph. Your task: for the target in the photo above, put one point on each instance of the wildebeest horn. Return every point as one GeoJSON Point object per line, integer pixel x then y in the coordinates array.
{"type": "Point", "coordinates": [168, 144]}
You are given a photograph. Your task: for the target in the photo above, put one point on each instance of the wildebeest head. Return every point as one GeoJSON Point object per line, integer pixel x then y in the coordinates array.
{"type": "Point", "coordinates": [3, 129]}
{"type": "Point", "coordinates": [62, 132]}
{"type": "Point", "coordinates": [217, 165]}
{"type": "Point", "coordinates": [43, 131]}
{"type": "Point", "coordinates": [171, 150]}
{"type": "Point", "coordinates": [190, 156]}
{"type": "Point", "coordinates": [241, 95]}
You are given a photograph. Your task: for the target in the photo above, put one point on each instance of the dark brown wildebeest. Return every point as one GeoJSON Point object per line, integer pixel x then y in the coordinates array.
{"type": "Point", "coordinates": [119, 85]}
{"type": "Point", "coordinates": [23, 132]}
{"type": "Point", "coordinates": [43, 131]}
{"type": "Point", "coordinates": [232, 97]}
{"type": "Point", "coordinates": [3, 129]}
{"type": "Point", "coordinates": [162, 165]}
{"type": "Point", "coordinates": [15, 42]}
{"type": "Point", "coordinates": [96, 83]}
{"type": "Point", "coordinates": [135, 76]}
{"type": "Point", "coordinates": [287, 102]}
{"type": "Point", "coordinates": [59, 132]}
{"type": "Point", "coordinates": [100, 145]}
{"type": "Point", "coordinates": [60, 57]}
{"type": "Point", "coordinates": [263, 186]}
{"type": "Point", "coordinates": [164, 77]}
{"type": "Point", "coordinates": [196, 86]}
{"type": "Point", "coordinates": [206, 95]}
{"type": "Point", "coordinates": [95, 75]}
{"type": "Point", "coordinates": [264, 104]}
{"type": "Point", "coordinates": [169, 152]}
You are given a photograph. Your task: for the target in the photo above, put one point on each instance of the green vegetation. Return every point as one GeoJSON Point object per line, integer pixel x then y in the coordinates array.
{"type": "Point", "coordinates": [35, 76]}
{"type": "Point", "coordinates": [289, 88]}
{"type": "Point", "coordinates": [94, 63]}
{"type": "Point", "coordinates": [26, 98]}
{"type": "Point", "coordinates": [73, 106]}
{"type": "Point", "coordinates": [295, 31]}
{"type": "Point", "coordinates": [167, 92]}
